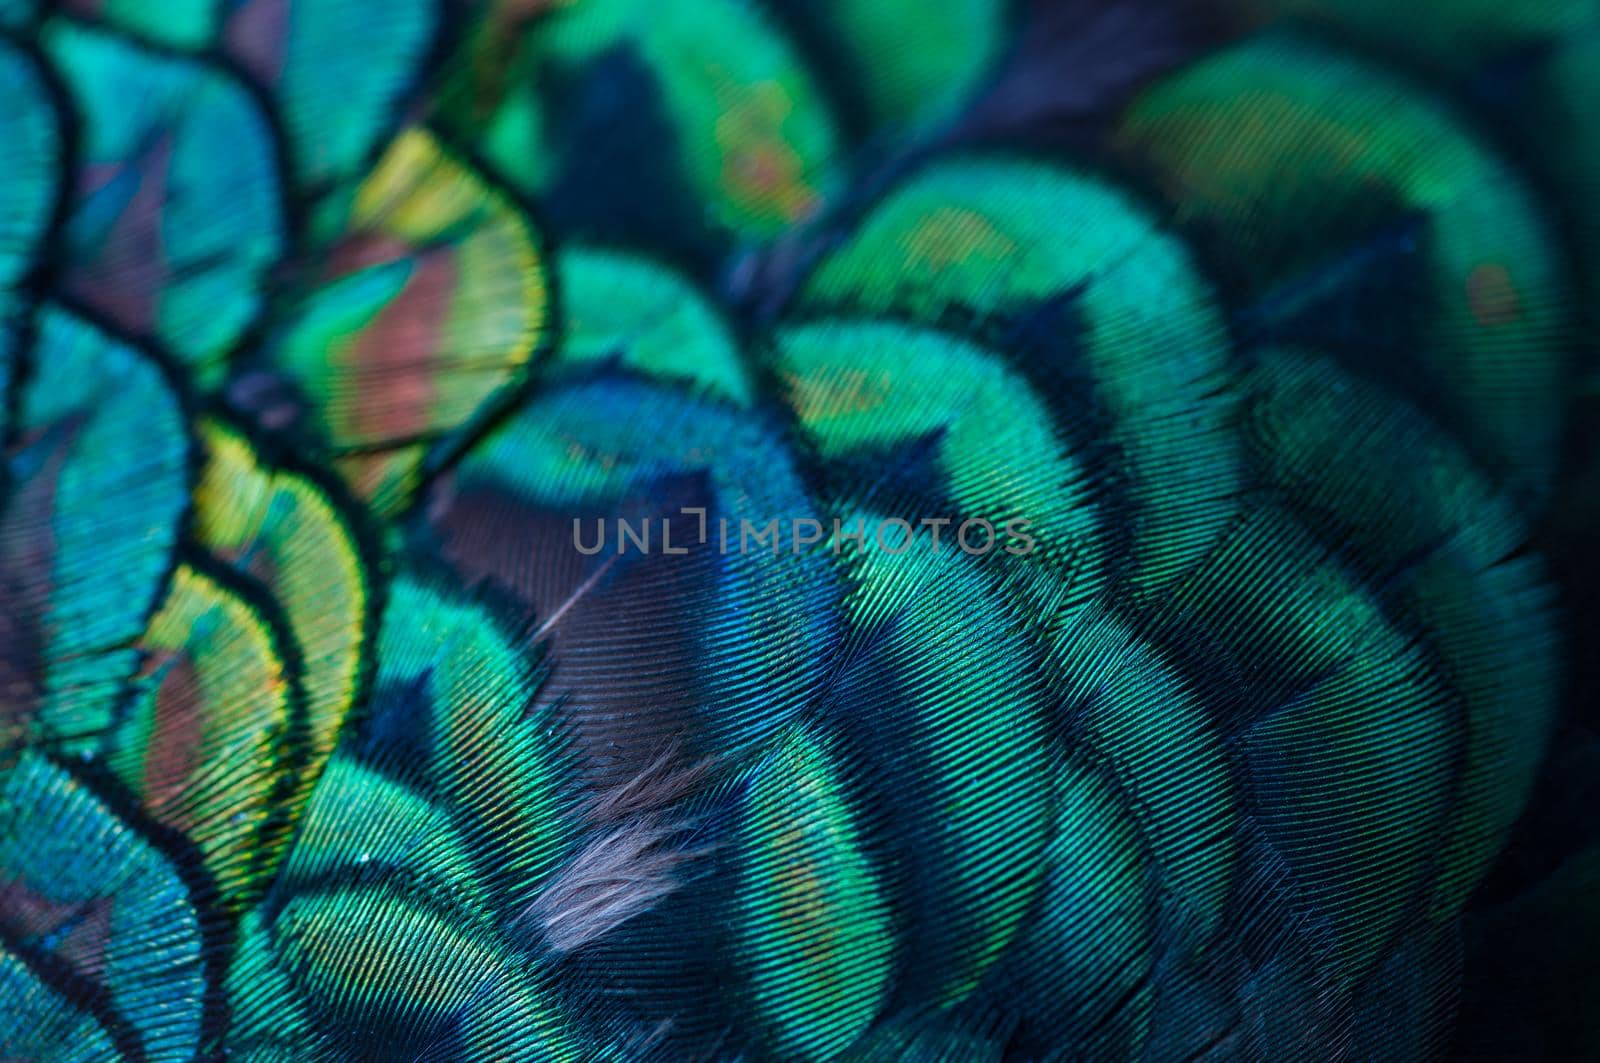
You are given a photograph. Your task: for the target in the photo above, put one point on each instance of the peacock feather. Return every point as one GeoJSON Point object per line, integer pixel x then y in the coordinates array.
{"type": "Point", "coordinates": [605, 530]}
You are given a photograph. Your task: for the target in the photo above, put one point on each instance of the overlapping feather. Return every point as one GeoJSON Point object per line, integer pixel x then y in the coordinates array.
{"type": "Point", "coordinates": [333, 333]}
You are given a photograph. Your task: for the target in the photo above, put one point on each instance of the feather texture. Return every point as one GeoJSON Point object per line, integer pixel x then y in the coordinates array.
{"type": "Point", "coordinates": [708, 530]}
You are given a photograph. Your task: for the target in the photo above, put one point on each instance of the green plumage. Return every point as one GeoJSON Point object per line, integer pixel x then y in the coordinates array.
{"type": "Point", "coordinates": [1102, 313]}
{"type": "Point", "coordinates": [96, 905]}
{"type": "Point", "coordinates": [177, 210]}
{"type": "Point", "coordinates": [99, 485]}
{"type": "Point", "coordinates": [816, 929]}
{"type": "Point", "coordinates": [1085, 961]}
{"type": "Point", "coordinates": [1425, 207]}
{"type": "Point", "coordinates": [623, 308]}
{"type": "Point", "coordinates": [209, 737]}
{"type": "Point", "coordinates": [923, 424]}
{"type": "Point", "coordinates": [908, 64]}
{"type": "Point", "coordinates": [1327, 442]}
{"type": "Point", "coordinates": [855, 530]}
{"type": "Point", "coordinates": [724, 134]}
{"type": "Point", "coordinates": [30, 130]}
{"type": "Point", "coordinates": [961, 750]}
{"type": "Point", "coordinates": [435, 829]}
{"type": "Point", "coordinates": [767, 613]}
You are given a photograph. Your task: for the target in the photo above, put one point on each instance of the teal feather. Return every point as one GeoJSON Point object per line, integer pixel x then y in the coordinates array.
{"type": "Point", "coordinates": [35, 144]}
{"type": "Point", "coordinates": [815, 927]}
{"type": "Point", "coordinates": [1461, 574]}
{"type": "Point", "coordinates": [17, 13]}
{"type": "Point", "coordinates": [433, 825]}
{"type": "Point", "coordinates": [1103, 311]}
{"type": "Point", "coordinates": [1429, 211]}
{"type": "Point", "coordinates": [849, 530]}
{"type": "Point", "coordinates": [564, 476]}
{"type": "Point", "coordinates": [90, 900]}
{"type": "Point", "coordinates": [177, 209]}
{"type": "Point", "coordinates": [99, 488]}
{"type": "Point", "coordinates": [1085, 962]}
{"type": "Point", "coordinates": [622, 307]}
{"type": "Point", "coordinates": [960, 746]}
{"type": "Point", "coordinates": [694, 122]}
{"type": "Point", "coordinates": [1134, 711]}
{"type": "Point", "coordinates": [299, 55]}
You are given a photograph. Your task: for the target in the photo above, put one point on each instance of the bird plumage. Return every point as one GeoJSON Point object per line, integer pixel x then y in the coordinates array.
{"type": "Point", "coordinates": [595, 530]}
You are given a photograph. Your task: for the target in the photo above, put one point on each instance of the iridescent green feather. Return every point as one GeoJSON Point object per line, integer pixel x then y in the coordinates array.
{"type": "Point", "coordinates": [189, 24]}
{"type": "Point", "coordinates": [1321, 178]}
{"type": "Point", "coordinates": [1152, 732]}
{"type": "Point", "coordinates": [1094, 302]}
{"type": "Point", "coordinates": [302, 53]}
{"type": "Point", "coordinates": [395, 815]}
{"type": "Point", "coordinates": [1452, 36]}
{"type": "Point", "coordinates": [723, 134]}
{"type": "Point", "coordinates": [397, 917]}
{"type": "Point", "coordinates": [268, 1021]}
{"type": "Point", "coordinates": [1462, 573]}
{"type": "Point", "coordinates": [960, 746]}
{"type": "Point", "coordinates": [1213, 768]}
{"type": "Point", "coordinates": [434, 301]}
{"type": "Point", "coordinates": [210, 738]}
{"type": "Point", "coordinates": [813, 924]}
{"type": "Point", "coordinates": [31, 148]}
{"type": "Point", "coordinates": [624, 308]}
{"type": "Point", "coordinates": [528, 505]}
{"type": "Point", "coordinates": [1562, 133]}
{"type": "Point", "coordinates": [910, 63]}
{"type": "Point", "coordinates": [177, 215]}
{"type": "Point", "coordinates": [505, 769]}
{"type": "Point", "coordinates": [871, 397]}
{"type": "Point", "coordinates": [479, 70]}
{"type": "Point", "coordinates": [99, 485]}
{"type": "Point", "coordinates": [1344, 723]}
{"type": "Point", "coordinates": [380, 969]}
{"type": "Point", "coordinates": [299, 52]}
{"type": "Point", "coordinates": [42, 1023]}
{"type": "Point", "coordinates": [1080, 976]}
{"type": "Point", "coordinates": [30, 160]}
{"type": "Point", "coordinates": [86, 895]}
{"type": "Point", "coordinates": [286, 531]}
